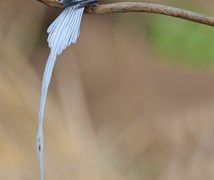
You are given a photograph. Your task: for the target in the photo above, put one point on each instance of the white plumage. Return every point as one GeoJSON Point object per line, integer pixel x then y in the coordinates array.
{"type": "Point", "coordinates": [62, 32]}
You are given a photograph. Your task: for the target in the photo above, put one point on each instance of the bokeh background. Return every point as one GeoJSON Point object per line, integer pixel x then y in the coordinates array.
{"type": "Point", "coordinates": [132, 100]}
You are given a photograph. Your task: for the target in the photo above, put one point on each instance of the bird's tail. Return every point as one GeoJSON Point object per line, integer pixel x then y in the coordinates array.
{"type": "Point", "coordinates": [62, 32]}
{"type": "Point", "coordinates": [45, 84]}
{"type": "Point", "coordinates": [65, 29]}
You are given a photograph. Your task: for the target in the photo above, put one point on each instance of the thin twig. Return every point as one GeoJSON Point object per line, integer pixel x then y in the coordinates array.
{"type": "Point", "coordinates": [126, 7]}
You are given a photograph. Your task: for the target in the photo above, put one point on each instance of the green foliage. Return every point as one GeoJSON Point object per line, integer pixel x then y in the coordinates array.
{"type": "Point", "coordinates": [182, 41]}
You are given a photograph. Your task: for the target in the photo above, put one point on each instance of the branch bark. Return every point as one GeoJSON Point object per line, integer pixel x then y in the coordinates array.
{"type": "Point", "coordinates": [126, 7]}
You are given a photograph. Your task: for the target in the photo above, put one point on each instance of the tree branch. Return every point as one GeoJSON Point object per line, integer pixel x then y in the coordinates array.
{"type": "Point", "coordinates": [126, 7]}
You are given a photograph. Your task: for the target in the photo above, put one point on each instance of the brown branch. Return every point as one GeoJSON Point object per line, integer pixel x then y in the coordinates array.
{"type": "Point", "coordinates": [126, 7]}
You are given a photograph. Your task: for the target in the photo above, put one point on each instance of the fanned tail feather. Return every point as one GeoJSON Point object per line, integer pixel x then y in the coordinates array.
{"type": "Point", "coordinates": [66, 26]}
{"type": "Point", "coordinates": [62, 32]}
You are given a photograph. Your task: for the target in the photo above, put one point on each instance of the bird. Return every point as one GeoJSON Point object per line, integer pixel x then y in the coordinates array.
{"type": "Point", "coordinates": [63, 32]}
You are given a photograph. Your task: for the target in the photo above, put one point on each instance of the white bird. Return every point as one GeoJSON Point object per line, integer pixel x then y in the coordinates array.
{"type": "Point", "coordinates": [62, 32]}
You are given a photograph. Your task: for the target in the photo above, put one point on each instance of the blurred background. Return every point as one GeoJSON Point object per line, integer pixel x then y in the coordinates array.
{"type": "Point", "coordinates": [132, 100]}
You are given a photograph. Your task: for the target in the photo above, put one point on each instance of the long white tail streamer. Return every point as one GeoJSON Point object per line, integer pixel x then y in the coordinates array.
{"type": "Point", "coordinates": [62, 32]}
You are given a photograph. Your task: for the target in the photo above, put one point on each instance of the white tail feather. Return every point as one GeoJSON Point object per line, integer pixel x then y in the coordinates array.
{"type": "Point", "coordinates": [62, 32]}
{"type": "Point", "coordinates": [66, 26]}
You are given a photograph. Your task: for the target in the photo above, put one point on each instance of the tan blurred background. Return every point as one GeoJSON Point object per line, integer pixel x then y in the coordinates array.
{"type": "Point", "coordinates": [132, 100]}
